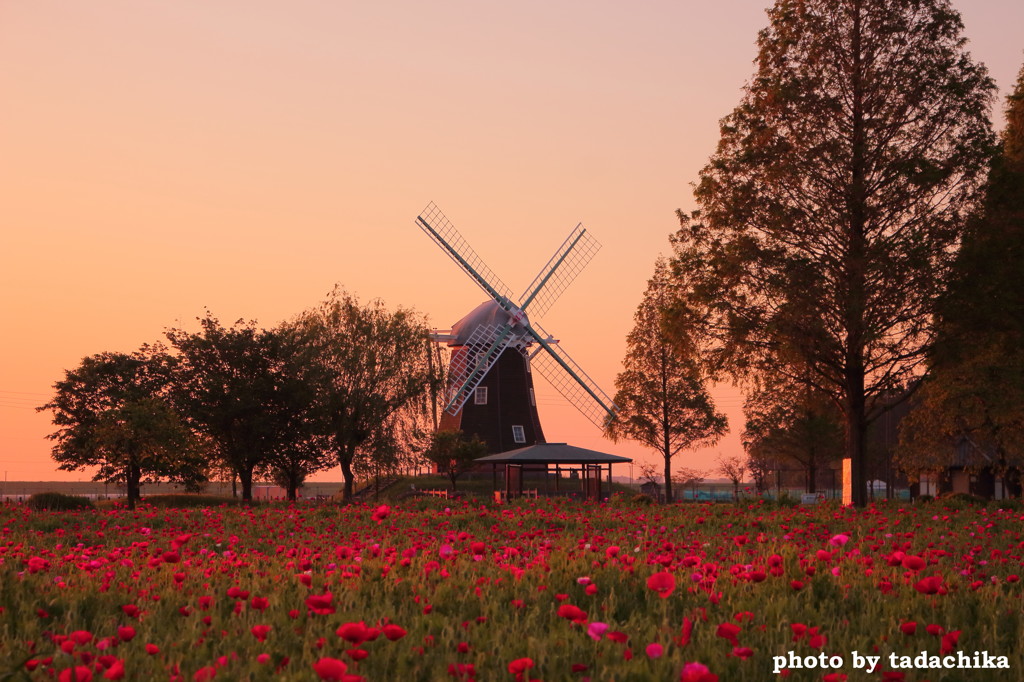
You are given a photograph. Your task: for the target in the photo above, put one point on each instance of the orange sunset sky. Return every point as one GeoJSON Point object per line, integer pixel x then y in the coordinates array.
{"type": "Point", "coordinates": [158, 158]}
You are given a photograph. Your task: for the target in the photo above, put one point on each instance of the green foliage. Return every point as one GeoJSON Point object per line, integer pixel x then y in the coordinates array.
{"type": "Point", "coordinates": [51, 501]}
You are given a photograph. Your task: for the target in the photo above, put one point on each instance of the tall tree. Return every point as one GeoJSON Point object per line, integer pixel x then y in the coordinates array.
{"type": "Point", "coordinates": [837, 195]}
{"type": "Point", "coordinates": [975, 394]}
{"type": "Point", "coordinates": [113, 413]}
{"type": "Point", "coordinates": [661, 393]}
{"type": "Point", "coordinates": [230, 384]}
{"type": "Point", "coordinates": [369, 367]}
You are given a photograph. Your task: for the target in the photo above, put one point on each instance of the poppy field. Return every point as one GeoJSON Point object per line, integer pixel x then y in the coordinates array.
{"type": "Point", "coordinates": [540, 590]}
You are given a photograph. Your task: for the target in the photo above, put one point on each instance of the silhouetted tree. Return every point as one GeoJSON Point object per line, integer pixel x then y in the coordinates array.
{"type": "Point", "coordinates": [734, 469]}
{"type": "Point", "coordinates": [369, 368]}
{"type": "Point", "coordinates": [661, 394]}
{"type": "Point", "coordinates": [975, 394]}
{"type": "Point", "coordinates": [231, 387]}
{"type": "Point", "coordinates": [831, 210]}
{"type": "Point", "coordinates": [113, 413]}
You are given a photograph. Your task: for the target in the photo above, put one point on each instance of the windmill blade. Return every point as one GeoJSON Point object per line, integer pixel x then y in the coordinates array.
{"type": "Point", "coordinates": [569, 260]}
{"type": "Point", "coordinates": [444, 234]}
{"type": "Point", "coordinates": [569, 379]}
{"type": "Point", "coordinates": [468, 368]}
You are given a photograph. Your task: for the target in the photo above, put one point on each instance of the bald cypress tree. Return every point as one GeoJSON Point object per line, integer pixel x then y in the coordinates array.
{"type": "Point", "coordinates": [836, 198]}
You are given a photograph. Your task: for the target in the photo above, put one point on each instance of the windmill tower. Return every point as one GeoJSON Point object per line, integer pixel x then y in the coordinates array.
{"type": "Point", "coordinates": [496, 347]}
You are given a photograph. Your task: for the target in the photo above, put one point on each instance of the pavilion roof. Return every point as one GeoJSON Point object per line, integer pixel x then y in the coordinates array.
{"type": "Point", "coordinates": [553, 453]}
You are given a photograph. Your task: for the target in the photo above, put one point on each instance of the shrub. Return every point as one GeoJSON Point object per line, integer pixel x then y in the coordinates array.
{"type": "Point", "coordinates": [51, 501]}
{"type": "Point", "coordinates": [184, 500]}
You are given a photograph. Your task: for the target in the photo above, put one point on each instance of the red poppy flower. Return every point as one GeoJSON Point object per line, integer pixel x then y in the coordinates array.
{"type": "Point", "coordinates": [728, 631]}
{"type": "Point", "coordinates": [908, 628]}
{"type": "Point", "coordinates": [260, 632]}
{"type": "Point", "coordinates": [205, 673]}
{"type": "Point", "coordinates": [330, 669]}
{"type": "Point", "coordinates": [321, 604]}
{"type": "Point", "coordinates": [573, 613]}
{"type": "Point", "coordinates": [949, 642]}
{"type": "Point", "coordinates": [520, 665]}
{"type": "Point", "coordinates": [662, 582]}
{"type": "Point", "coordinates": [115, 671]}
{"type": "Point", "coordinates": [684, 635]}
{"type": "Point", "coordinates": [80, 673]}
{"type": "Point", "coordinates": [353, 632]}
{"type": "Point", "coordinates": [393, 632]}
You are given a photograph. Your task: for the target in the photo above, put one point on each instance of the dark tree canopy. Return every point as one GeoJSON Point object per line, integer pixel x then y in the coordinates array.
{"type": "Point", "coordinates": [231, 386]}
{"type": "Point", "coordinates": [974, 397]}
{"type": "Point", "coordinates": [370, 368]}
{"type": "Point", "coordinates": [661, 393]}
{"type": "Point", "coordinates": [835, 201]}
{"type": "Point", "coordinates": [113, 412]}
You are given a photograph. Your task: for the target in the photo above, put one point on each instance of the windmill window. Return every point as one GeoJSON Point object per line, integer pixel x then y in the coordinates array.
{"type": "Point", "coordinates": [533, 399]}
{"type": "Point", "coordinates": [518, 435]}
{"type": "Point", "coordinates": [480, 396]}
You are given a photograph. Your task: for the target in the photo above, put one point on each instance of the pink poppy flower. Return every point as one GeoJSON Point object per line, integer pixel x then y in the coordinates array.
{"type": "Point", "coordinates": [654, 650]}
{"type": "Point", "coordinates": [697, 672]}
{"type": "Point", "coordinates": [596, 630]}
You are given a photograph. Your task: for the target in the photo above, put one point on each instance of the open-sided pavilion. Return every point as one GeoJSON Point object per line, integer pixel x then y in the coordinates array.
{"type": "Point", "coordinates": [590, 466]}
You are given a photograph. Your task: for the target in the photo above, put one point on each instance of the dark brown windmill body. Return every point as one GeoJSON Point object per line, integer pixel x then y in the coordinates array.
{"type": "Point", "coordinates": [496, 348]}
{"type": "Point", "coordinates": [502, 410]}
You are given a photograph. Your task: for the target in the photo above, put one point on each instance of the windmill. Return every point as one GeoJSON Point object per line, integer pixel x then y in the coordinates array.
{"type": "Point", "coordinates": [496, 347]}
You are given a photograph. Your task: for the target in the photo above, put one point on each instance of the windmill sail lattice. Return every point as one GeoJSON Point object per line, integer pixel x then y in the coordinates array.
{"type": "Point", "coordinates": [481, 344]}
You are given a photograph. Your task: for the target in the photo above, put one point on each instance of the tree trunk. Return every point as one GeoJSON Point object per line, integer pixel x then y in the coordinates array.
{"type": "Point", "coordinates": [245, 478]}
{"type": "Point", "coordinates": [856, 269]}
{"type": "Point", "coordinates": [668, 479]}
{"type": "Point", "coordinates": [812, 475]}
{"type": "Point", "coordinates": [293, 491]}
{"type": "Point", "coordinates": [855, 428]}
{"type": "Point", "coordinates": [132, 486]}
{"type": "Point", "coordinates": [349, 478]}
